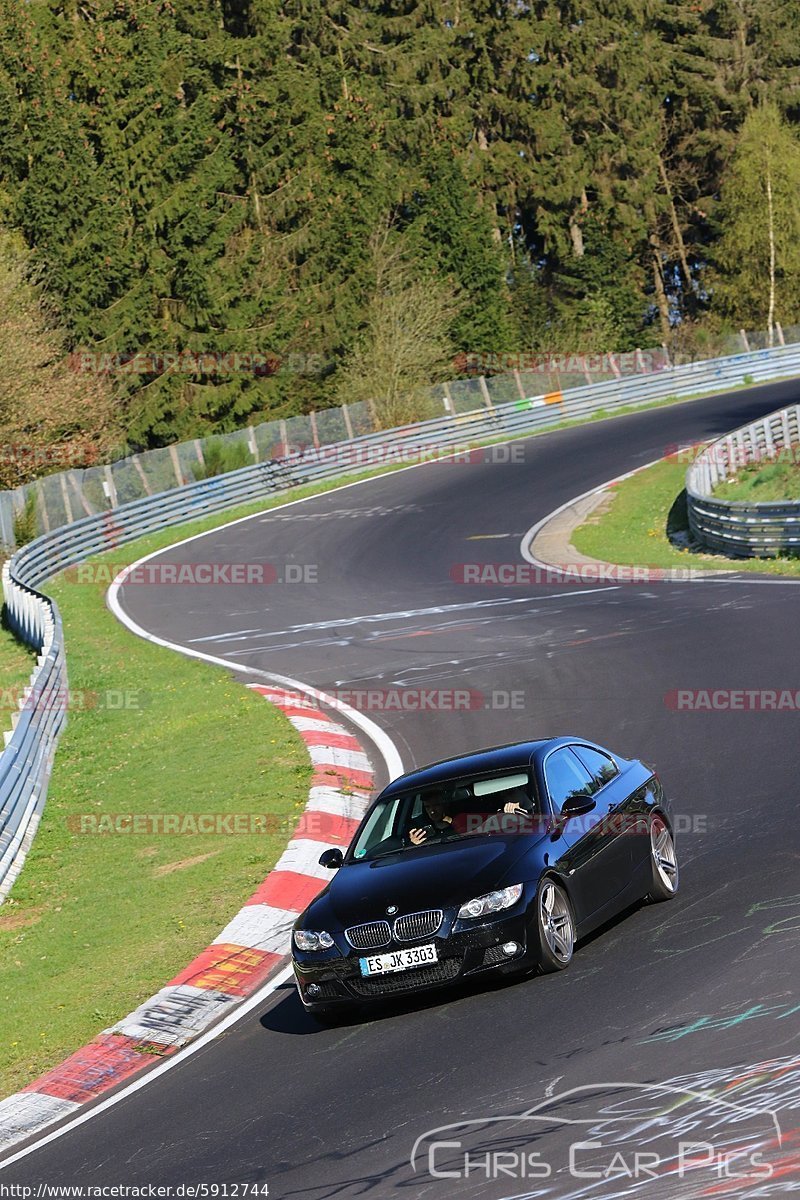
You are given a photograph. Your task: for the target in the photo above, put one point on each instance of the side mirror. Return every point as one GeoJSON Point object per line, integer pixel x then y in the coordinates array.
{"type": "Point", "coordinates": [332, 859]}
{"type": "Point", "coordinates": [576, 806]}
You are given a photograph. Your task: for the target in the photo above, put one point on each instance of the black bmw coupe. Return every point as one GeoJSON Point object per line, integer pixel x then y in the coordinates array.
{"type": "Point", "coordinates": [495, 861]}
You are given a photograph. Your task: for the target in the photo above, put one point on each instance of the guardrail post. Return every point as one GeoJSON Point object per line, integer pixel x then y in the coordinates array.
{"type": "Point", "coordinates": [742, 456]}
{"type": "Point", "coordinates": [140, 472]}
{"type": "Point", "coordinates": [449, 407]}
{"type": "Point", "coordinates": [65, 497]}
{"type": "Point", "coordinates": [176, 466]}
{"type": "Point", "coordinates": [348, 424]}
{"type": "Point", "coordinates": [769, 444]}
{"type": "Point", "coordinates": [40, 503]}
{"type": "Point", "coordinates": [72, 477]}
{"type": "Point", "coordinates": [112, 490]}
{"type": "Point", "coordinates": [787, 437]}
{"type": "Point", "coordinates": [6, 520]}
{"type": "Point", "coordinates": [745, 342]}
{"type": "Point", "coordinates": [487, 399]}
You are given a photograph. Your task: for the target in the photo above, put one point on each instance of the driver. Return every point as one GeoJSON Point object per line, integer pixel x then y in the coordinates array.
{"type": "Point", "coordinates": [438, 825]}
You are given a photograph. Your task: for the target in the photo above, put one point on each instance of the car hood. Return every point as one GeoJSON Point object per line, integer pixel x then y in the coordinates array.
{"type": "Point", "coordinates": [437, 876]}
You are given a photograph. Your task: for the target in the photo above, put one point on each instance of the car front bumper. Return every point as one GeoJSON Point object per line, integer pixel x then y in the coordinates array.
{"type": "Point", "coordinates": [337, 978]}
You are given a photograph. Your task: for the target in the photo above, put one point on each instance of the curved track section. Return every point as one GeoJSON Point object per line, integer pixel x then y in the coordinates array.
{"type": "Point", "coordinates": [675, 1025]}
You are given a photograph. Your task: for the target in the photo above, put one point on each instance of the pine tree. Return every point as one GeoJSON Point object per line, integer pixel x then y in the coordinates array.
{"type": "Point", "coordinates": [205, 176]}
{"type": "Point", "coordinates": [453, 236]}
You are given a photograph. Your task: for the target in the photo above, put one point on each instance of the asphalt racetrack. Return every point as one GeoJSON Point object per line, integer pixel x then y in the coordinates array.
{"type": "Point", "coordinates": [671, 1043]}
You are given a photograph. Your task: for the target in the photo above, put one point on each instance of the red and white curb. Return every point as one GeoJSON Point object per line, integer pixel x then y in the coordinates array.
{"type": "Point", "coordinates": [247, 951]}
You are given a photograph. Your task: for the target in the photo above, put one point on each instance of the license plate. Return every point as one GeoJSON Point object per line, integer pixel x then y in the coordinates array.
{"type": "Point", "coordinates": [399, 960]}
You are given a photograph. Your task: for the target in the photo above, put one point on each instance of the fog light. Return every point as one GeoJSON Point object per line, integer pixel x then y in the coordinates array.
{"type": "Point", "coordinates": [510, 949]}
{"type": "Point", "coordinates": [313, 990]}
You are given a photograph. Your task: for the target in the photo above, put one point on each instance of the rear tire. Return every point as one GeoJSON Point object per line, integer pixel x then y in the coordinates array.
{"type": "Point", "coordinates": [664, 873]}
{"type": "Point", "coordinates": [555, 926]}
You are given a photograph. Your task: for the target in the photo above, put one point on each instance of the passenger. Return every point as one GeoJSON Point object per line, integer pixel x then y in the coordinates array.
{"type": "Point", "coordinates": [508, 817]}
{"type": "Point", "coordinates": [513, 806]}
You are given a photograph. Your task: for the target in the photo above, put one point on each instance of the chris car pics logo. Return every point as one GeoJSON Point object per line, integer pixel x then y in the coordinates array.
{"type": "Point", "coordinates": [601, 1134]}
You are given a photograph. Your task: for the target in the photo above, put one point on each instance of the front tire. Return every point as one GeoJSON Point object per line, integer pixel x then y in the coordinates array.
{"type": "Point", "coordinates": [555, 926]}
{"type": "Point", "coordinates": [664, 873]}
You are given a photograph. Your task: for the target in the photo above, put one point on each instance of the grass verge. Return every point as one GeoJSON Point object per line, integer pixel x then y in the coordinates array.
{"type": "Point", "coordinates": [778, 480]}
{"type": "Point", "coordinates": [98, 922]}
{"type": "Point", "coordinates": [16, 664]}
{"type": "Point", "coordinates": [633, 530]}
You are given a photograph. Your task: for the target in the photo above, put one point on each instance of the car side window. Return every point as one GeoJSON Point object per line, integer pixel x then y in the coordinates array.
{"type": "Point", "coordinates": [602, 768]}
{"type": "Point", "coordinates": [566, 776]}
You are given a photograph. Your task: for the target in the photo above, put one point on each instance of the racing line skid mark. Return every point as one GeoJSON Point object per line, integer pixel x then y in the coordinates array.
{"type": "Point", "coordinates": [251, 948]}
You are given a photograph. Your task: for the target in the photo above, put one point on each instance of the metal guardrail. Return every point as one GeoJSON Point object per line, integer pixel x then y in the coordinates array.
{"type": "Point", "coordinates": [26, 761]}
{"type": "Point", "coordinates": [60, 497]}
{"type": "Point", "coordinates": [738, 528]}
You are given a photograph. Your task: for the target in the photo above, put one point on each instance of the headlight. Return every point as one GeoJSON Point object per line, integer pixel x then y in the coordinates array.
{"type": "Point", "coordinates": [307, 939]}
{"type": "Point", "coordinates": [492, 902]}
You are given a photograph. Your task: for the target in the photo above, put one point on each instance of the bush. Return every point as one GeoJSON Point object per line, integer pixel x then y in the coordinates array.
{"type": "Point", "coordinates": [25, 525]}
{"type": "Point", "coordinates": [220, 457]}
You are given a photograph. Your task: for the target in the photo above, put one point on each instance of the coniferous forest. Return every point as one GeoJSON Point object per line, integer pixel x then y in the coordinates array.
{"type": "Point", "coordinates": [292, 180]}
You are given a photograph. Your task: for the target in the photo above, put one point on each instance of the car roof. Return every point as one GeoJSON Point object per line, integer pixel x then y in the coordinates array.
{"type": "Point", "coordinates": [494, 758]}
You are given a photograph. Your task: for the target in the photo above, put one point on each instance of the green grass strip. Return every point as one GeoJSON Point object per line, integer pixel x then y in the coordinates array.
{"type": "Point", "coordinates": [759, 483]}
{"type": "Point", "coordinates": [16, 664]}
{"type": "Point", "coordinates": [633, 530]}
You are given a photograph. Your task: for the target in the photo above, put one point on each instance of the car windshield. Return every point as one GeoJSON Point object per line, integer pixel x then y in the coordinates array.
{"type": "Point", "coordinates": [451, 811]}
